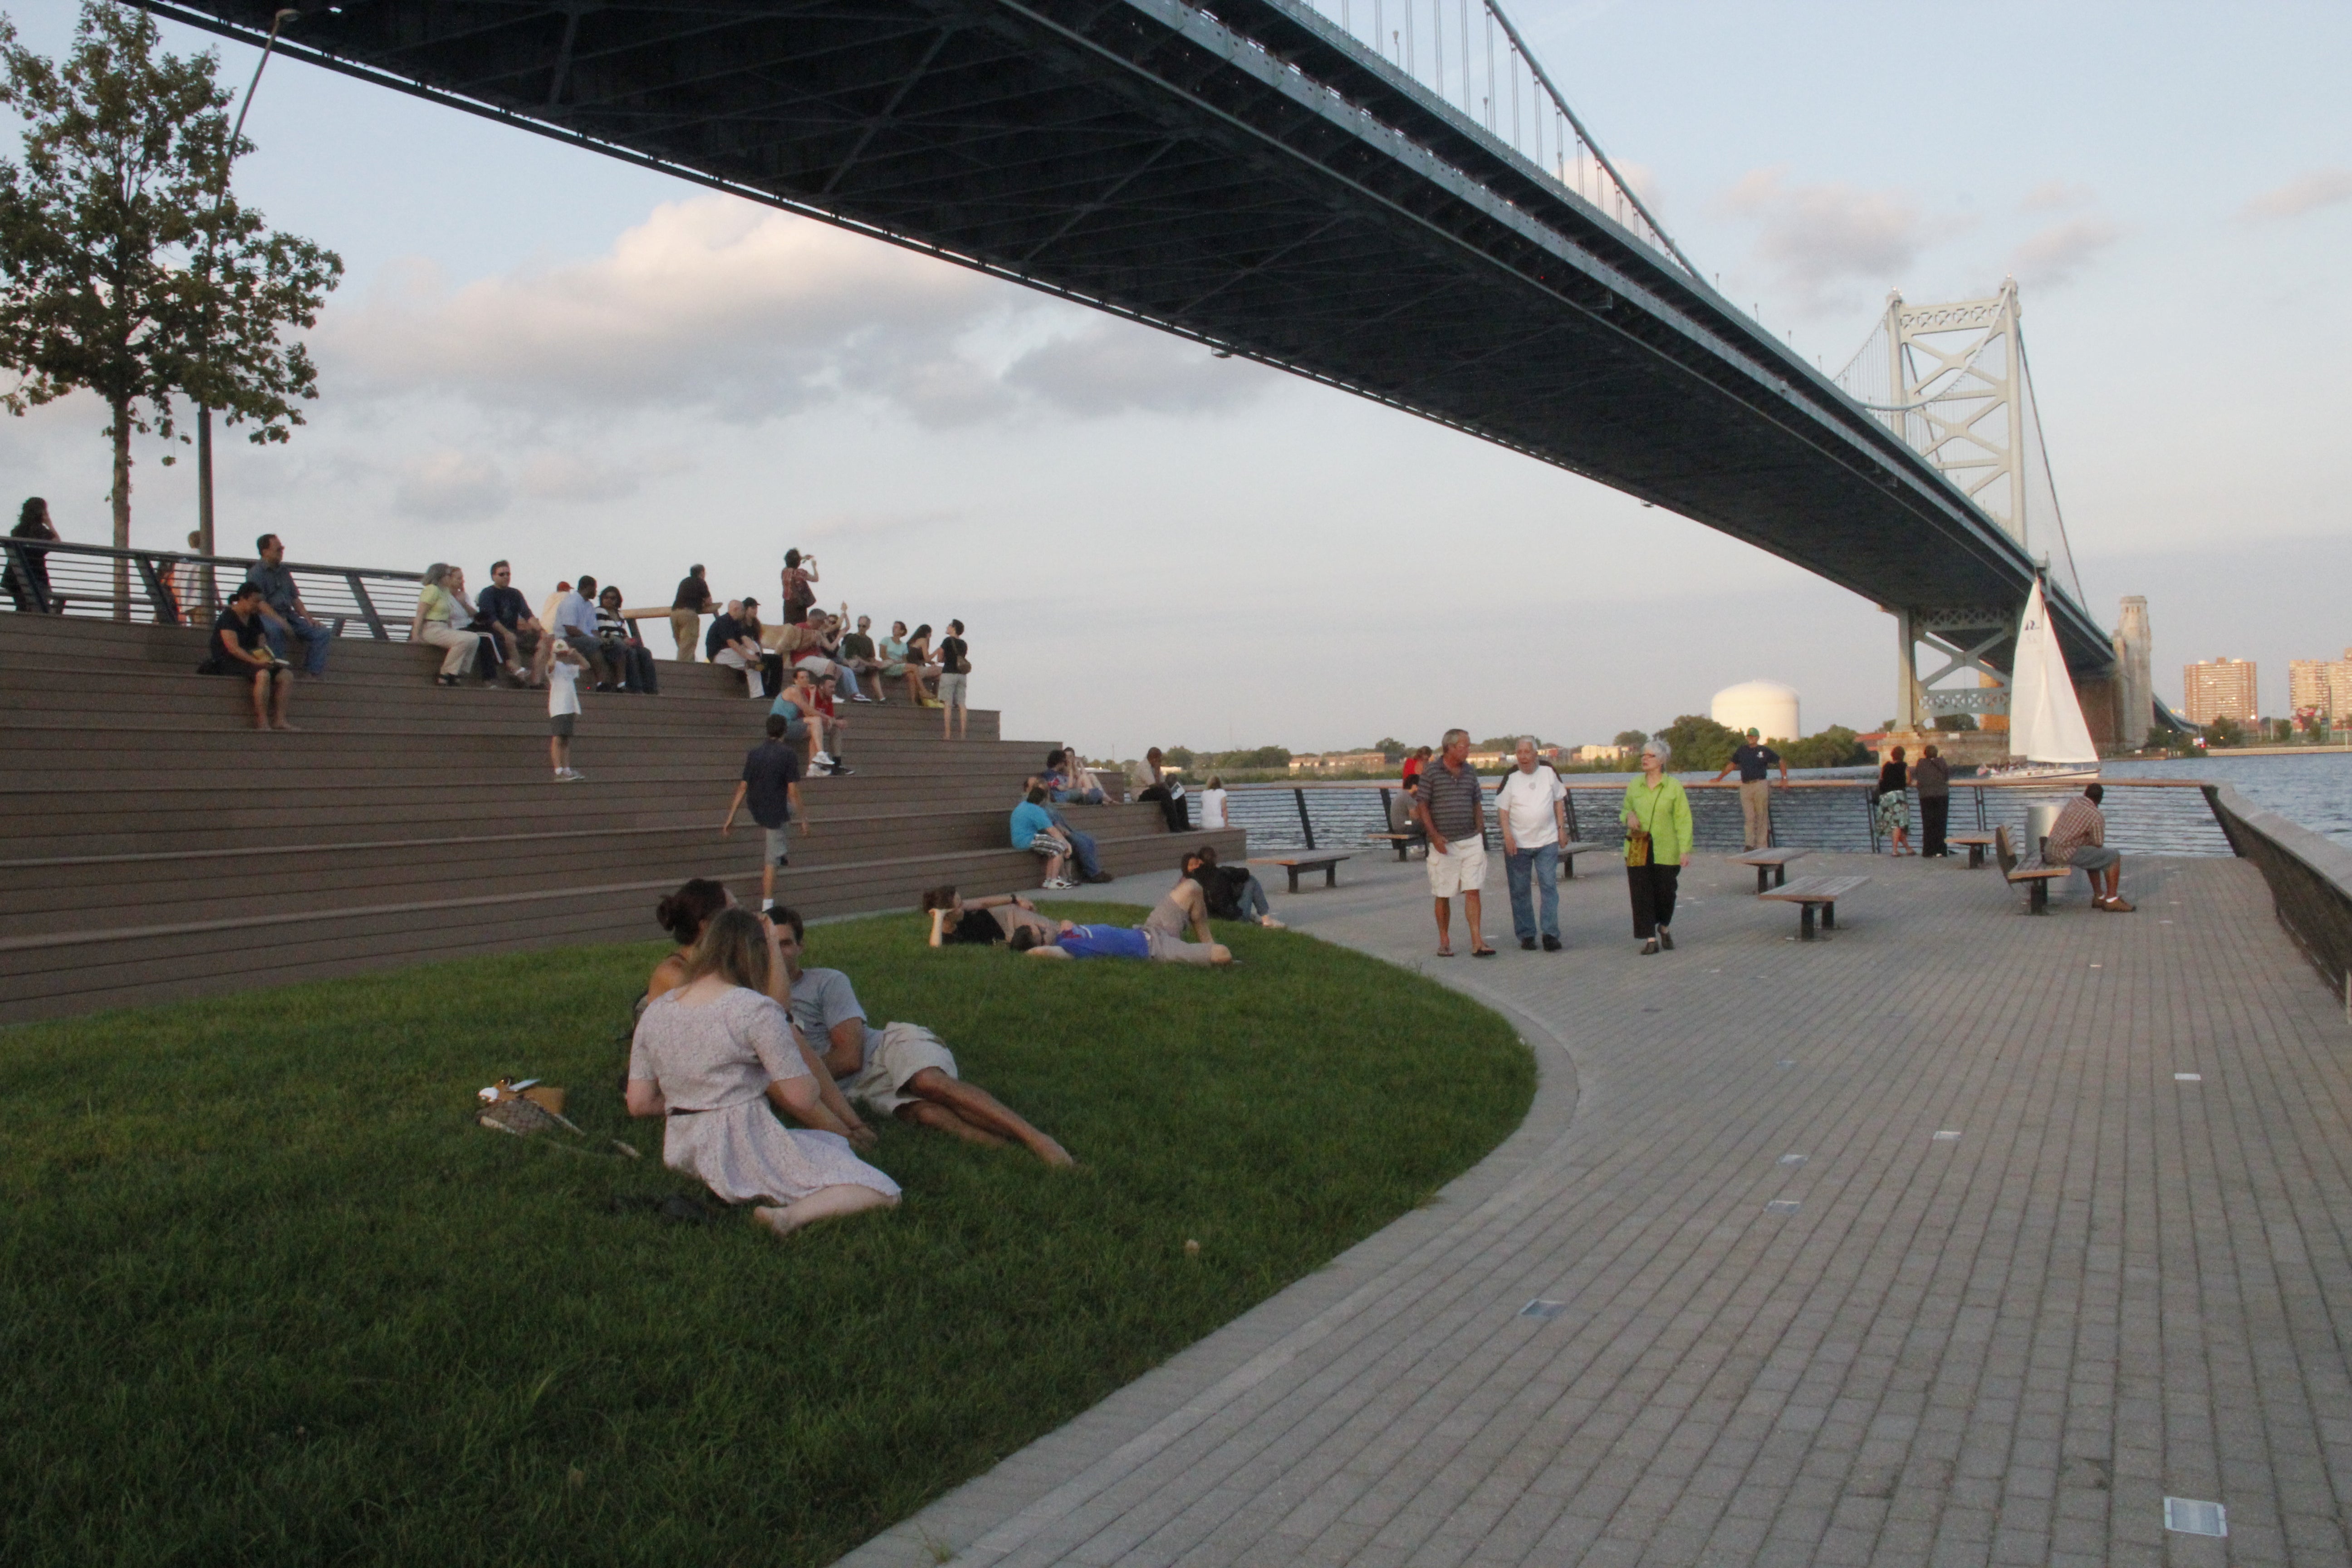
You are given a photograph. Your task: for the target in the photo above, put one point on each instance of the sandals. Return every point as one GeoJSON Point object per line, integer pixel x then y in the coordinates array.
{"type": "Point", "coordinates": [1481, 953]}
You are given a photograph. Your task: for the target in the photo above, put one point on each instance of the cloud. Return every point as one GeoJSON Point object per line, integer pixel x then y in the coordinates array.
{"type": "Point", "coordinates": [575, 476]}
{"type": "Point", "coordinates": [2320, 188]}
{"type": "Point", "coordinates": [1821, 240]}
{"type": "Point", "coordinates": [2056, 195]}
{"type": "Point", "coordinates": [712, 305]}
{"type": "Point", "coordinates": [1113, 366]}
{"type": "Point", "coordinates": [451, 486]}
{"type": "Point", "coordinates": [2055, 254]}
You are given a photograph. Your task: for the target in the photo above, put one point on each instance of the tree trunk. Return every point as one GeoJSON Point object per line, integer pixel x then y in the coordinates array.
{"type": "Point", "coordinates": [121, 434]}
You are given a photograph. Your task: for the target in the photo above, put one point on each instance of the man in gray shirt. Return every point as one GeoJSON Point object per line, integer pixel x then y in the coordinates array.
{"type": "Point", "coordinates": [1932, 776]}
{"type": "Point", "coordinates": [1452, 809]}
{"type": "Point", "coordinates": [283, 617]}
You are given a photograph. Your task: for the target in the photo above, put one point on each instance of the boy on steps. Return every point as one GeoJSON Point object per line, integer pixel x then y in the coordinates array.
{"type": "Point", "coordinates": [563, 706]}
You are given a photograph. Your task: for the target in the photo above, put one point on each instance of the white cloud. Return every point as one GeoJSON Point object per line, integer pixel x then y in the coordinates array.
{"type": "Point", "coordinates": [2056, 195]}
{"type": "Point", "coordinates": [1822, 240]}
{"type": "Point", "coordinates": [577, 477]}
{"type": "Point", "coordinates": [2054, 254]}
{"type": "Point", "coordinates": [2320, 188]}
{"type": "Point", "coordinates": [1110, 366]}
{"type": "Point", "coordinates": [447, 486]}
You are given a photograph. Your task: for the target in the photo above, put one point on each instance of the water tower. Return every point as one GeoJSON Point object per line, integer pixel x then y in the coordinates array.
{"type": "Point", "coordinates": [1765, 705]}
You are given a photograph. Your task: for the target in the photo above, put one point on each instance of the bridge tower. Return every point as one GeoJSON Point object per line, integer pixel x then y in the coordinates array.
{"type": "Point", "coordinates": [1952, 380]}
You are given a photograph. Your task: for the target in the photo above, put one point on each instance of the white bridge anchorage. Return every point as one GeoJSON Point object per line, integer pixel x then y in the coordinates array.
{"type": "Point", "coordinates": [1952, 380]}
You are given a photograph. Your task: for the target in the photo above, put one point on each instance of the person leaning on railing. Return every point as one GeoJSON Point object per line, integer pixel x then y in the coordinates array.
{"type": "Point", "coordinates": [282, 610]}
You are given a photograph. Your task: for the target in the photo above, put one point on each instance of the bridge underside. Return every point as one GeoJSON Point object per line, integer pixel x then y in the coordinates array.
{"type": "Point", "coordinates": [1253, 180]}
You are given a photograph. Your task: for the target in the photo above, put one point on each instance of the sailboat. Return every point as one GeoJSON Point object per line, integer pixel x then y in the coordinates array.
{"type": "Point", "coordinates": [2047, 737]}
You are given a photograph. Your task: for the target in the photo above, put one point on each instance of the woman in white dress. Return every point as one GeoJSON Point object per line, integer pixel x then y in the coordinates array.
{"type": "Point", "coordinates": [718, 1058]}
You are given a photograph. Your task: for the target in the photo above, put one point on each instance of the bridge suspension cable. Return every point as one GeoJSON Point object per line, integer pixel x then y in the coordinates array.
{"type": "Point", "coordinates": [1490, 99]}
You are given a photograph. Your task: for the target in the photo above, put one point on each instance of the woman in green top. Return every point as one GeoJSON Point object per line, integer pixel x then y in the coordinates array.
{"type": "Point", "coordinates": [1657, 818]}
{"type": "Point", "coordinates": [440, 615]}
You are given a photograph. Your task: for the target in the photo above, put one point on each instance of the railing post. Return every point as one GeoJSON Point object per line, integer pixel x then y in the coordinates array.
{"type": "Point", "coordinates": [1305, 826]}
{"type": "Point", "coordinates": [1980, 815]}
{"type": "Point", "coordinates": [21, 577]}
{"type": "Point", "coordinates": [157, 595]}
{"type": "Point", "coordinates": [1870, 809]}
{"type": "Point", "coordinates": [367, 606]}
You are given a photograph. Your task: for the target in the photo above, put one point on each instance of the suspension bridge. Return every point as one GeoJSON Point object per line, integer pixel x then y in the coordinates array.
{"type": "Point", "coordinates": [1389, 197]}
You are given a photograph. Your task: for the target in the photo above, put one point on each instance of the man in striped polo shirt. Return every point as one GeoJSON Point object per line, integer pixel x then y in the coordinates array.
{"type": "Point", "coordinates": [1452, 809]}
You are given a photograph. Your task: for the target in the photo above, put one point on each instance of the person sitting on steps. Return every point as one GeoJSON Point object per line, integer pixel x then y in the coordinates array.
{"type": "Point", "coordinates": [1033, 830]}
{"type": "Point", "coordinates": [240, 645]}
{"type": "Point", "coordinates": [1082, 844]}
{"type": "Point", "coordinates": [802, 698]}
{"type": "Point", "coordinates": [900, 1069]}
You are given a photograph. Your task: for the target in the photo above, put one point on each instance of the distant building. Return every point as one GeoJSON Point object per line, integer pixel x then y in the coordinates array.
{"type": "Point", "coordinates": [1495, 762]}
{"type": "Point", "coordinates": [1766, 707]}
{"type": "Point", "coordinates": [2321, 686]}
{"type": "Point", "coordinates": [2219, 689]}
{"type": "Point", "coordinates": [1340, 762]}
{"type": "Point", "coordinates": [1602, 753]}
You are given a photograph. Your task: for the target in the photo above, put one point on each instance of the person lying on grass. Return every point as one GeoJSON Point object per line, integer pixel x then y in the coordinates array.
{"type": "Point", "coordinates": [956, 921]}
{"type": "Point", "coordinates": [686, 915]}
{"type": "Point", "coordinates": [718, 1058]}
{"type": "Point", "coordinates": [901, 1069]}
{"type": "Point", "coordinates": [1146, 940]}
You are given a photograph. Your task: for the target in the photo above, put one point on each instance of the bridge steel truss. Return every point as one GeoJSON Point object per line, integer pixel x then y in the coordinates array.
{"type": "Point", "coordinates": [1254, 179]}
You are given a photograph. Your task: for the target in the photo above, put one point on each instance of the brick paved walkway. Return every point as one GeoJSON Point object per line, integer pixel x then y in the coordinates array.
{"type": "Point", "coordinates": [2008, 1346]}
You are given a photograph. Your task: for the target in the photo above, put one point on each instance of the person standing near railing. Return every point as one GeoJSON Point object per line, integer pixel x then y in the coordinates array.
{"type": "Point", "coordinates": [28, 564]}
{"type": "Point", "coordinates": [687, 608]}
{"type": "Point", "coordinates": [1755, 760]}
{"type": "Point", "coordinates": [283, 614]}
{"type": "Point", "coordinates": [1657, 818]}
{"type": "Point", "coordinates": [1932, 777]}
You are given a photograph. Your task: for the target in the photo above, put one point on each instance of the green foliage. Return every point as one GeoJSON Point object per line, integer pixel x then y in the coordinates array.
{"type": "Point", "coordinates": [1389, 746]}
{"type": "Point", "coordinates": [2224, 732]}
{"type": "Point", "coordinates": [122, 269]}
{"type": "Point", "coordinates": [1699, 743]}
{"type": "Point", "coordinates": [1836, 747]}
{"type": "Point", "coordinates": [1177, 756]}
{"type": "Point", "coordinates": [1634, 738]}
{"type": "Point", "coordinates": [267, 1294]}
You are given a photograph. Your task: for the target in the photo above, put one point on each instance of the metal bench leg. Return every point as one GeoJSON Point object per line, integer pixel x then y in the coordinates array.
{"type": "Point", "coordinates": [1331, 875]}
{"type": "Point", "coordinates": [1976, 857]}
{"type": "Point", "coordinates": [1294, 877]}
{"type": "Point", "coordinates": [1780, 875]}
{"type": "Point", "coordinates": [2037, 899]}
{"type": "Point", "coordinates": [1760, 878]}
{"type": "Point", "coordinates": [1568, 867]}
{"type": "Point", "coordinates": [1805, 922]}
{"type": "Point", "coordinates": [1829, 915]}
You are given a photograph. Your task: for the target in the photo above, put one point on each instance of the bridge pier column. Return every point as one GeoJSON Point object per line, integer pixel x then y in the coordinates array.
{"type": "Point", "coordinates": [1910, 707]}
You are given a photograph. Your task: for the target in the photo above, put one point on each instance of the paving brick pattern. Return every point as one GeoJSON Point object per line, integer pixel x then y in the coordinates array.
{"type": "Point", "coordinates": [2006, 1347]}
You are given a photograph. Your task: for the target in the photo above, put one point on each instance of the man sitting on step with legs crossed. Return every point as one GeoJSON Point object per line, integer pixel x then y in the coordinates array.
{"type": "Point", "coordinates": [900, 1069]}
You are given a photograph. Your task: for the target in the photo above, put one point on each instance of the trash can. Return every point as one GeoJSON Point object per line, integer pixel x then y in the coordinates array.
{"type": "Point", "coordinates": [2041, 816]}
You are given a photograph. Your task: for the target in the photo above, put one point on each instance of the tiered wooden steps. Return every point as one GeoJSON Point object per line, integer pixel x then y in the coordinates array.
{"type": "Point", "coordinates": [153, 846]}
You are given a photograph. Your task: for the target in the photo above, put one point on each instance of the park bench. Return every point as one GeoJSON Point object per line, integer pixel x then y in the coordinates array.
{"type": "Point", "coordinates": [2030, 870]}
{"type": "Point", "coordinates": [1775, 862]}
{"type": "Point", "coordinates": [1808, 893]}
{"type": "Point", "coordinates": [1977, 844]}
{"type": "Point", "coordinates": [1325, 861]}
{"type": "Point", "coordinates": [1403, 841]}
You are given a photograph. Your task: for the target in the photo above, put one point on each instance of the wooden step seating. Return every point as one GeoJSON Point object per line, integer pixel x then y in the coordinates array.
{"type": "Point", "coordinates": [153, 846]}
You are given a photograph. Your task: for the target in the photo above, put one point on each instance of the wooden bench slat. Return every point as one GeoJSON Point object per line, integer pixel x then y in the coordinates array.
{"type": "Point", "coordinates": [1807, 892]}
{"type": "Point", "coordinates": [1775, 862]}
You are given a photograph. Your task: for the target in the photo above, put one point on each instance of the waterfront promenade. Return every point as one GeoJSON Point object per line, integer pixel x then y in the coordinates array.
{"type": "Point", "coordinates": [2114, 1284]}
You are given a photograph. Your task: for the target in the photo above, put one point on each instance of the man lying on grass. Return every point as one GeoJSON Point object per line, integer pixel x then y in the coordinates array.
{"type": "Point", "coordinates": [713, 1056]}
{"type": "Point", "coordinates": [957, 921]}
{"type": "Point", "coordinates": [901, 1069]}
{"type": "Point", "coordinates": [1182, 910]}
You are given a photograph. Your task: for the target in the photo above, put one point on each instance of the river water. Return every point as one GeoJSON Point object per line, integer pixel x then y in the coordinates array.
{"type": "Point", "coordinates": [2315, 791]}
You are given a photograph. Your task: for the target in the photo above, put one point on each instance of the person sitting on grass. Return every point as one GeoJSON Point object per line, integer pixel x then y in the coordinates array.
{"type": "Point", "coordinates": [706, 1055]}
{"type": "Point", "coordinates": [1072, 941]}
{"type": "Point", "coordinates": [980, 921]}
{"type": "Point", "coordinates": [901, 1069]}
{"type": "Point", "coordinates": [1232, 892]}
{"type": "Point", "coordinates": [2079, 838]}
{"type": "Point", "coordinates": [1033, 830]}
{"type": "Point", "coordinates": [240, 645]}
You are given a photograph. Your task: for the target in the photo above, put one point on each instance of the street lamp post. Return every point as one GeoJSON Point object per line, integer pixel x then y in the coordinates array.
{"type": "Point", "coordinates": [212, 245]}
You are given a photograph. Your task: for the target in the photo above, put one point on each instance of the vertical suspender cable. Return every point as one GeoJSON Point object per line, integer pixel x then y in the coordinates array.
{"type": "Point", "coordinates": [1436, 43]}
{"type": "Point", "coordinates": [1490, 68]}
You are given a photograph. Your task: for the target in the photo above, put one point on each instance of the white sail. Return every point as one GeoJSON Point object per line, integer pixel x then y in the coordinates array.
{"type": "Point", "coordinates": [2045, 721]}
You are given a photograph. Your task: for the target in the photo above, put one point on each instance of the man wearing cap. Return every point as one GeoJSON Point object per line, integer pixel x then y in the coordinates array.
{"type": "Point", "coordinates": [1753, 760]}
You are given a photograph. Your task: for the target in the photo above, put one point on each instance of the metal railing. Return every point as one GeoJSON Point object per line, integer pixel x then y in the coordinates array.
{"type": "Point", "coordinates": [2144, 816]}
{"type": "Point", "coordinates": [171, 588]}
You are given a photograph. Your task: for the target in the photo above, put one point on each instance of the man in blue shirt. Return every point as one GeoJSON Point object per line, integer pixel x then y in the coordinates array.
{"type": "Point", "coordinates": [283, 615]}
{"type": "Point", "coordinates": [1753, 760]}
{"type": "Point", "coordinates": [1119, 942]}
{"type": "Point", "coordinates": [505, 614]}
{"type": "Point", "coordinates": [1033, 830]}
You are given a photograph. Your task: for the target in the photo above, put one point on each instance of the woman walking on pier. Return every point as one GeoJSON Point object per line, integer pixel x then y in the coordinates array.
{"type": "Point", "coordinates": [1657, 818]}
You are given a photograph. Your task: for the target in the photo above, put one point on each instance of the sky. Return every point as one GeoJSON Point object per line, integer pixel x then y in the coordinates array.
{"type": "Point", "coordinates": [552, 357]}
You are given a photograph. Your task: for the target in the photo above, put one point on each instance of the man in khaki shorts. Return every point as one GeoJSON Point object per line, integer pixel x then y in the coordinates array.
{"type": "Point", "coordinates": [1452, 809]}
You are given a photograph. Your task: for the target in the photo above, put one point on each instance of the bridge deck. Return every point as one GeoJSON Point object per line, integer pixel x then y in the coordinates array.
{"type": "Point", "coordinates": [2005, 1347]}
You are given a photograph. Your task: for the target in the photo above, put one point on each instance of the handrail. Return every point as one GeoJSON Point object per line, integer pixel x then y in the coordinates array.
{"type": "Point", "coordinates": [179, 588]}
{"type": "Point", "coordinates": [2310, 879]}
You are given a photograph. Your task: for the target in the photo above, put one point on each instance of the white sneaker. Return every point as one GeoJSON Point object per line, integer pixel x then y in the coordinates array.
{"type": "Point", "coordinates": [821, 760]}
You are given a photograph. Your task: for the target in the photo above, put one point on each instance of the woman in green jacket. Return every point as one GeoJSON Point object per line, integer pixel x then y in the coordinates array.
{"type": "Point", "coordinates": [1657, 818]}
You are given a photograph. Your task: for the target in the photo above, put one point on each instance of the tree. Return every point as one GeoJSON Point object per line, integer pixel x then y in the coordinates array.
{"type": "Point", "coordinates": [1699, 742]}
{"type": "Point", "coordinates": [125, 266]}
{"type": "Point", "coordinates": [1632, 740]}
{"type": "Point", "coordinates": [1177, 757]}
{"type": "Point", "coordinates": [1836, 747]}
{"type": "Point", "coordinates": [1390, 748]}
{"type": "Point", "coordinates": [2224, 732]}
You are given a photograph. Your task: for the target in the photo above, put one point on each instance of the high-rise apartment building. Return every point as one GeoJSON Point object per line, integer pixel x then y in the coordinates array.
{"type": "Point", "coordinates": [2219, 688]}
{"type": "Point", "coordinates": [2321, 686]}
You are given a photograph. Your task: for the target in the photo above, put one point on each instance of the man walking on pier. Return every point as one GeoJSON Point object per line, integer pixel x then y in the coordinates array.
{"type": "Point", "coordinates": [1755, 760]}
{"type": "Point", "coordinates": [1452, 809]}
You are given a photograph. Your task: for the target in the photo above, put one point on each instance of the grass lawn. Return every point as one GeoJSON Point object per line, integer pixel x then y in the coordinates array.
{"type": "Point", "coordinates": [267, 1294]}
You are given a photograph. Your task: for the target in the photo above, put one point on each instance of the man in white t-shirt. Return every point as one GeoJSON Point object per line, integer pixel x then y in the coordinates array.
{"type": "Point", "coordinates": [1532, 805]}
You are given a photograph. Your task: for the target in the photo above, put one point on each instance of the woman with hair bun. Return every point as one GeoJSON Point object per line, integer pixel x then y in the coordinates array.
{"type": "Point", "coordinates": [719, 1059]}
{"type": "Point", "coordinates": [1657, 818]}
